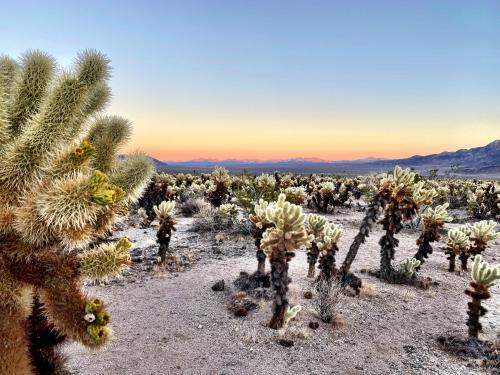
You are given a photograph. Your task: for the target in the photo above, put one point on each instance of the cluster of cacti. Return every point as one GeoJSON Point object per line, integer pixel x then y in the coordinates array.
{"type": "Point", "coordinates": [61, 187]}
{"type": "Point", "coordinates": [433, 219]}
{"type": "Point", "coordinates": [484, 202]}
{"type": "Point", "coordinates": [469, 240]}
{"type": "Point", "coordinates": [219, 190]}
{"type": "Point", "coordinates": [483, 278]}
{"type": "Point", "coordinates": [279, 242]}
{"type": "Point", "coordinates": [165, 213]}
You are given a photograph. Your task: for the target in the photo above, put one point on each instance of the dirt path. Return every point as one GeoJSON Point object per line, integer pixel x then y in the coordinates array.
{"type": "Point", "coordinates": [175, 324]}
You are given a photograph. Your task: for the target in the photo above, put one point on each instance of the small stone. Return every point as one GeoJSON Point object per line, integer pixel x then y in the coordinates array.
{"type": "Point", "coordinates": [219, 286]}
{"type": "Point", "coordinates": [313, 325]}
{"type": "Point", "coordinates": [308, 295]}
{"type": "Point", "coordinates": [286, 343]}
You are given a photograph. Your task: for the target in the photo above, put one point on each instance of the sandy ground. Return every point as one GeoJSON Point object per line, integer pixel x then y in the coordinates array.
{"type": "Point", "coordinates": [174, 323]}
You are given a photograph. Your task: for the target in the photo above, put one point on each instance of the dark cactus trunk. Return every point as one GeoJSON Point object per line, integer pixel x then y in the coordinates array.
{"type": "Point", "coordinates": [477, 293]}
{"type": "Point", "coordinates": [451, 259]}
{"type": "Point", "coordinates": [312, 258]}
{"type": "Point", "coordinates": [327, 265]}
{"type": "Point", "coordinates": [261, 261]}
{"type": "Point", "coordinates": [463, 261]}
{"type": "Point", "coordinates": [45, 343]}
{"type": "Point", "coordinates": [370, 218]}
{"type": "Point", "coordinates": [388, 246]}
{"type": "Point", "coordinates": [163, 237]}
{"type": "Point", "coordinates": [424, 245]}
{"type": "Point", "coordinates": [279, 280]}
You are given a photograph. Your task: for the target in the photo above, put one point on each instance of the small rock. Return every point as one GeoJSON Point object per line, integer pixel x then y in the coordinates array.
{"type": "Point", "coordinates": [308, 295]}
{"type": "Point", "coordinates": [219, 286]}
{"type": "Point", "coordinates": [313, 325]}
{"type": "Point", "coordinates": [286, 343]}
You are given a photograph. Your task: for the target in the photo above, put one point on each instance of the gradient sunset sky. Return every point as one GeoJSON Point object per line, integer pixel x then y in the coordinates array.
{"type": "Point", "coordinates": [283, 79]}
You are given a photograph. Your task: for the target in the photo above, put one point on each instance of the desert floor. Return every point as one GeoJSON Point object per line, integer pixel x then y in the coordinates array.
{"type": "Point", "coordinates": [173, 323]}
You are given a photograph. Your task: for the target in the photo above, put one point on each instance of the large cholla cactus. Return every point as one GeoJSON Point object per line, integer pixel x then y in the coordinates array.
{"type": "Point", "coordinates": [405, 196]}
{"type": "Point", "coordinates": [219, 190]}
{"type": "Point", "coordinates": [478, 235]}
{"type": "Point", "coordinates": [279, 242]}
{"type": "Point", "coordinates": [433, 219]}
{"type": "Point", "coordinates": [261, 224]}
{"type": "Point", "coordinates": [328, 248]}
{"type": "Point", "coordinates": [165, 213]}
{"type": "Point", "coordinates": [483, 278]}
{"type": "Point", "coordinates": [315, 226]}
{"type": "Point", "coordinates": [458, 244]}
{"type": "Point", "coordinates": [61, 187]}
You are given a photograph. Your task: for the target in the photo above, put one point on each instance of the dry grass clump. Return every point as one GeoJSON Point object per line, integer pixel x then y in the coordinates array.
{"type": "Point", "coordinates": [193, 206]}
{"type": "Point", "coordinates": [330, 295]}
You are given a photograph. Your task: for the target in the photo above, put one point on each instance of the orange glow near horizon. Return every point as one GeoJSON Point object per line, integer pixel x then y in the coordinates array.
{"type": "Point", "coordinates": [180, 137]}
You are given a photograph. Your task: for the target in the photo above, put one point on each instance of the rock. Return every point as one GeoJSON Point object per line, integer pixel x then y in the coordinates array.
{"type": "Point", "coordinates": [313, 325]}
{"type": "Point", "coordinates": [286, 343]}
{"type": "Point", "coordinates": [308, 295]}
{"type": "Point", "coordinates": [219, 286]}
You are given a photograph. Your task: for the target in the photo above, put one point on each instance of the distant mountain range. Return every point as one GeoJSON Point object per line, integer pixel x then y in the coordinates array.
{"type": "Point", "coordinates": [474, 161]}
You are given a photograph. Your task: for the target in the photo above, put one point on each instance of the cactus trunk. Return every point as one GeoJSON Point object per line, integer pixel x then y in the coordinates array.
{"type": "Point", "coordinates": [463, 261]}
{"type": "Point", "coordinates": [478, 294]}
{"type": "Point", "coordinates": [261, 261]}
{"type": "Point", "coordinates": [163, 237]}
{"type": "Point", "coordinates": [312, 258]}
{"type": "Point", "coordinates": [451, 259]}
{"type": "Point", "coordinates": [424, 245]}
{"type": "Point", "coordinates": [279, 281]}
{"type": "Point", "coordinates": [370, 218]}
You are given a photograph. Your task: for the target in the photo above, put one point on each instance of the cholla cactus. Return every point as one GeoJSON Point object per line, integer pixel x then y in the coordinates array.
{"type": "Point", "coordinates": [219, 189]}
{"type": "Point", "coordinates": [404, 197]}
{"type": "Point", "coordinates": [315, 227]}
{"type": "Point", "coordinates": [295, 194]}
{"type": "Point", "coordinates": [165, 213]}
{"type": "Point", "coordinates": [483, 278]}
{"type": "Point", "coordinates": [53, 199]}
{"type": "Point", "coordinates": [279, 242]}
{"type": "Point", "coordinates": [324, 196]}
{"type": "Point", "coordinates": [409, 267]}
{"type": "Point", "coordinates": [458, 243]}
{"type": "Point", "coordinates": [328, 247]}
{"type": "Point", "coordinates": [291, 313]}
{"type": "Point", "coordinates": [143, 217]}
{"type": "Point", "coordinates": [259, 219]}
{"type": "Point", "coordinates": [479, 233]}
{"type": "Point", "coordinates": [433, 219]}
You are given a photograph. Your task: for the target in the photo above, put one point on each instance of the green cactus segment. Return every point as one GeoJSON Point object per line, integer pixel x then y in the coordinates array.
{"type": "Point", "coordinates": [102, 192]}
{"type": "Point", "coordinates": [82, 152]}
{"type": "Point", "coordinates": [409, 267]}
{"type": "Point", "coordinates": [106, 260]}
{"type": "Point", "coordinates": [291, 313]}
{"type": "Point", "coordinates": [483, 274]}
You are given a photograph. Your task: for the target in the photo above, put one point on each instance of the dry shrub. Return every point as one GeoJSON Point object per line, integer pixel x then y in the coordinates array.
{"type": "Point", "coordinates": [193, 206]}
{"type": "Point", "coordinates": [368, 291]}
{"type": "Point", "coordinates": [329, 296]}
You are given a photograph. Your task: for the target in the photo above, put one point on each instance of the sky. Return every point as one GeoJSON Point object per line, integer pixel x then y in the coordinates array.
{"type": "Point", "coordinates": [268, 79]}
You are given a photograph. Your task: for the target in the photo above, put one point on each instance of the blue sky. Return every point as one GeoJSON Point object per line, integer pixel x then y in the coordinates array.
{"type": "Point", "coordinates": [213, 78]}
